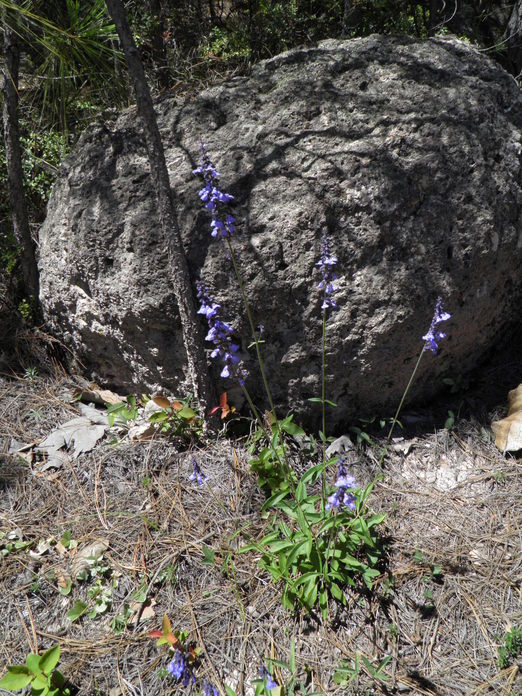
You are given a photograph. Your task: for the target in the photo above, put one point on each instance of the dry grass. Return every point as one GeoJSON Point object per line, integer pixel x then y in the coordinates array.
{"type": "Point", "coordinates": [453, 498]}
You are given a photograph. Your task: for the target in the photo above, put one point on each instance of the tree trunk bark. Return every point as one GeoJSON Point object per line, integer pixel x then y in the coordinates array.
{"type": "Point", "coordinates": [13, 155]}
{"type": "Point", "coordinates": [159, 53]}
{"type": "Point", "coordinates": [513, 40]}
{"type": "Point", "coordinates": [192, 333]}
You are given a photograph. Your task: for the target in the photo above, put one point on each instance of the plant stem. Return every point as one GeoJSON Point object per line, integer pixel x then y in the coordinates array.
{"type": "Point", "coordinates": [396, 416]}
{"type": "Point", "coordinates": [252, 327]}
{"type": "Point", "coordinates": [323, 405]}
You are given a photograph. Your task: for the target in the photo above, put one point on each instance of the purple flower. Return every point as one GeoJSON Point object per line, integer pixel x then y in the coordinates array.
{"type": "Point", "coordinates": [179, 668]}
{"type": "Point", "coordinates": [342, 497]}
{"type": "Point", "coordinates": [209, 689]}
{"type": "Point", "coordinates": [326, 263]}
{"type": "Point", "coordinates": [197, 474]}
{"type": "Point", "coordinates": [220, 334]}
{"type": "Point", "coordinates": [223, 224]}
{"type": "Point", "coordinates": [267, 678]}
{"type": "Point", "coordinates": [432, 338]}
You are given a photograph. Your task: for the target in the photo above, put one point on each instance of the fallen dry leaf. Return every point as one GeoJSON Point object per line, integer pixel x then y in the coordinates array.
{"type": "Point", "coordinates": [79, 434]}
{"type": "Point", "coordinates": [147, 613]}
{"type": "Point", "coordinates": [91, 551]}
{"type": "Point", "coordinates": [508, 431]}
{"type": "Point", "coordinates": [161, 401]}
{"type": "Point", "coordinates": [142, 431]}
{"type": "Point", "coordinates": [95, 395]}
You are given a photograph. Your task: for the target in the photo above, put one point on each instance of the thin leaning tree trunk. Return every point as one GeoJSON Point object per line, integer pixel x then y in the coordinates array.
{"type": "Point", "coordinates": [192, 334]}
{"type": "Point", "coordinates": [13, 155]}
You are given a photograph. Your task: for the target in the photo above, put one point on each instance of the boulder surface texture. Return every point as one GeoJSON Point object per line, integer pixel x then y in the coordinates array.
{"type": "Point", "coordinates": [407, 152]}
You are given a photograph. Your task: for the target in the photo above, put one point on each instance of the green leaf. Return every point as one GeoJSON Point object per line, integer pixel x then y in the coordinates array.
{"type": "Point", "coordinates": [336, 591]}
{"type": "Point", "coordinates": [67, 589]}
{"type": "Point", "coordinates": [229, 691]}
{"type": "Point", "coordinates": [315, 400]}
{"type": "Point", "coordinates": [330, 403]}
{"type": "Point", "coordinates": [312, 474]}
{"type": "Point", "coordinates": [158, 417]}
{"type": "Point", "coordinates": [351, 562]}
{"type": "Point", "coordinates": [450, 420]}
{"type": "Point", "coordinates": [306, 578]}
{"type": "Point", "coordinates": [310, 593]}
{"type": "Point", "coordinates": [210, 555]}
{"type": "Point", "coordinates": [40, 684]}
{"type": "Point", "coordinates": [300, 493]}
{"type": "Point", "coordinates": [114, 408]}
{"type": "Point", "coordinates": [374, 520]}
{"type": "Point", "coordinates": [280, 545]}
{"type": "Point", "coordinates": [186, 413]}
{"type": "Point", "coordinates": [288, 426]}
{"type": "Point", "coordinates": [299, 549]}
{"type": "Point", "coordinates": [323, 602]}
{"type": "Point", "coordinates": [33, 663]}
{"type": "Point", "coordinates": [287, 599]}
{"type": "Point", "coordinates": [368, 576]}
{"type": "Point", "coordinates": [57, 680]}
{"type": "Point", "coordinates": [77, 610]}
{"type": "Point", "coordinates": [274, 499]}
{"type": "Point", "coordinates": [17, 677]}
{"type": "Point", "coordinates": [140, 594]}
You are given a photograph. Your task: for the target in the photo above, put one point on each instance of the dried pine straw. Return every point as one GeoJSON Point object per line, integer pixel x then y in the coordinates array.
{"type": "Point", "coordinates": [453, 499]}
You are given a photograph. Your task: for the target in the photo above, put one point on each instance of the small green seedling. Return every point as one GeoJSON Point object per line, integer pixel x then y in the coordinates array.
{"type": "Point", "coordinates": [346, 674]}
{"type": "Point", "coordinates": [39, 672]}
{"type": "Point", "coordinates": [11, 542]}
{"type": "Point", "coordinates": [512, 647]}
{"type": "Point", "coordinates": [122, 413]}
{"type": "Point", "coordinates": [177, 417]}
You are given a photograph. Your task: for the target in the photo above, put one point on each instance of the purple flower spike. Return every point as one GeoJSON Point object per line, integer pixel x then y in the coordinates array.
{"type": "Point", "coordinates": [220, 334]}
{"type": "Point", "coordinates": [326, 263]}
{"type": "Point", "coordinates": [209, 689]}
{"type": "Point", "coordinates": [180, 670]}
{"type": "Point", "coordinates": [197, 475]}
{"type": "Point", "coordinates": [267, 677]}
{"type": "Point", "coordinates": [223, 224]}
{"type": "Point", "coordinates": [432, 338]}
{"type": "Point", "coordinates": [342, 497]}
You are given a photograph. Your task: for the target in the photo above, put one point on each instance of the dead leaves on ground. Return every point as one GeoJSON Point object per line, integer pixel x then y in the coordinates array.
{"type": "Point", "coordinates": [508, 431]}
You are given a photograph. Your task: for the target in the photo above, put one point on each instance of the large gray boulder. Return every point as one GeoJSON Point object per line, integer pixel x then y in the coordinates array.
{"type": "Point", "coordinates": [409, 154]}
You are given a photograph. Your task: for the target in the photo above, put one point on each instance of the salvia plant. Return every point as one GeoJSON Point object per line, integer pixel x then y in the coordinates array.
{"type": "Point", "coordinates": [39, 673]}
{"type": "Point", "coordinates": [431, 342]}
{"type": "Point", "coordinates": [320, 539]}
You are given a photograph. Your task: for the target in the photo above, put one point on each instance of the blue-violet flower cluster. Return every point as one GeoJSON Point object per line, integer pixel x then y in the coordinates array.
{"type": "Point", "coordinates": [209, 689]}
{"type": "Point", "coordinates": [432, 338]}
{"type": "Point", "coordinates": [220, 334]}
{"type": "Point", "coordinates": [267, 678]}
{"type": "Point", "coordinates": [180, 669]}
{"type": "Point", "coordinates": [342, 497]}
{"type": "Point", "coordinates": [223, 224]}
{"type": "Point", "coordinates": [197, 475]}
{"type": "Point", "coordinates": [326, 263]}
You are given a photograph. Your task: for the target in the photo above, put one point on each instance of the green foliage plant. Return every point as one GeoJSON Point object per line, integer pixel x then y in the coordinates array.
{"type": "Point", "coordinates": [39, 672]}
{"type": "Point", "coordinates": [123, 413]}
{"type": "Point", "coordinates": [177, 418]}
{"type": "Point", "coordinates": [347, 674]}
{"type": "Point", "coordinates": [11, 542]}
{"type": "Point", "coordinates": [511, 647]}
{"type": "Point", "coordinates": [289, 673]}
{"type": "Point", "coordinates": [315, 553]}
